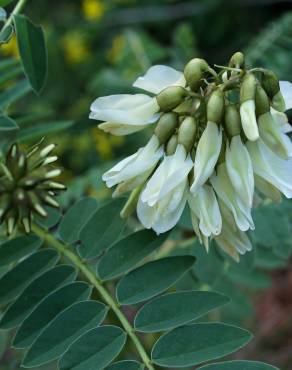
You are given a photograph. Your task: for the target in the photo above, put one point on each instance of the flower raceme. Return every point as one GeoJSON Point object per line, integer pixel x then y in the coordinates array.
{"type": "Point", "coordinates": [219, 136]}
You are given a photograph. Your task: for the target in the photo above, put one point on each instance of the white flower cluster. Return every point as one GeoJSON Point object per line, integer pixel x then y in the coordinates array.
{"type": "Point", "coordinates": [217, 136]}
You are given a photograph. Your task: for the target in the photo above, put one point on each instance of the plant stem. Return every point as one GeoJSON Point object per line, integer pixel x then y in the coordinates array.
{"type": "Point", "coordinates": [17, 9]}
{"type": "Point", "coordinates": [92, 278]}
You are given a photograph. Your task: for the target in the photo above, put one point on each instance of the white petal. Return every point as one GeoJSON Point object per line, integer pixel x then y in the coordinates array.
{"type": "Point", "coordinates": [207, 154]}
{"type": "Point", "coordinates": [248, 120]}
{"type": "Point", "coordinates": [172, 171]}
{"type": "Point", "coordinates": [120, 129]}
{"type": "Point", "coordinates": [272, 136]}
{"type": "Point", "coordinates": [239, 168]}
{"type": "Point", "coordinates": [161, 217]}
{"type": "Point", "coordinates": [241, 211]}
{"type": "Point", "coordinates": [267, 189]}
{"type": "Point", "coordinates": [136, 164]}
{"type": "Point", "coordinates": [138, 109]}
{"type": "Point", "coordinates": [270, 167]}
{"type": "Point", "coordinates": [207, 210]}
{"type": "Point", "coordinates": [158, 78]}
{"type": "Point", "coordinates": [286, 90]}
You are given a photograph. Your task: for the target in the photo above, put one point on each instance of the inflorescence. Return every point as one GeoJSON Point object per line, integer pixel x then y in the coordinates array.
{"type": "Point", "coordinates": [219, 133]}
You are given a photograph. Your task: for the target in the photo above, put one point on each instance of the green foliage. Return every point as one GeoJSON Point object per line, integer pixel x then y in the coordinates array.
{"type": "Point", "coordinates": [32, 49]}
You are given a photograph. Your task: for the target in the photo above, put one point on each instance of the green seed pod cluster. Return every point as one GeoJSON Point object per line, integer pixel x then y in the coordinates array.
{"type": "Point", "coordinates": [27, 185]}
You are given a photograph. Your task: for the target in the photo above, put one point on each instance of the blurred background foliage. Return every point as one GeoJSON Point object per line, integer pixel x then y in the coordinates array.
{"type": "Point", "coordinates": [98, 47]}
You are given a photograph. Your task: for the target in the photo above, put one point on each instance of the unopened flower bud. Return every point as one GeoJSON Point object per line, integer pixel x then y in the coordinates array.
{"type": "Point", "coordinates": [215, 106]}
{"type": "Point", "coordinates": [166, 126]}
{"type": "Point", "coordinates": [194, 71]}
{"type": "Point", "coordinates": [187, 133]}
{"type": "Point", "coordinates": [247, 107]}
{"type": "Point", "coordinates": [262, 101]}
{"type": "Point", "coordinates": [171, 97]}
{"type": "Point", "coordinates": [237, 60]}
{"type": "Point", "coordinates": [271, 85]}
{"type": "Point", "coordinates": [171, 145]}
{"type": "Point", "coordinates": [232, 120]}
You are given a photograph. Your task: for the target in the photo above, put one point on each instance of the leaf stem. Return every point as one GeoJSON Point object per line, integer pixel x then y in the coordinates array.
{"type": "Point", "coordinates": [17, 9]}
{"type": "Point", "coordinates": [92, 278]}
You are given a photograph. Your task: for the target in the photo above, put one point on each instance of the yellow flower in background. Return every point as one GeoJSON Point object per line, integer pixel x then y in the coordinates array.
{"type": "Point", "coordinates": [114, 52]}
{"type": "Point", "coordinates": [93, 10]}
{"type": "Point", "coordinates": [11, 48]}
{"type": "Point", "coordinates": [105, 143]}
{"type": "Point", "coordinates": [75, 48]}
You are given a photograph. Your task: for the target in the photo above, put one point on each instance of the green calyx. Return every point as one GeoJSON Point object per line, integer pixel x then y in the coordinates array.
{"type": "Point", "coordinates": [194, 72]}
{"type": "Point", "coordinates": [262, 101]}
{"type": "Point", "coordinates": [215, 106]}
{"type": "Point", "coordinates": [172, 145]}
{"type": "Point", "coordinates": [278, 102]}
{"type": "Point", "coordinates": [248, 88]}
{"type": "Point", "coordinates": [187, 133]}
{"type": "Point", "coordinates": [232, 120]}
{"type": "Point", "coordinates": [270, 83]}
{"type": "Point", "coordinates": [171, 97]}
{"type": "Point", "coordinates": [26, 186]}
{"type": "Point", "coordinates": [166, 126]}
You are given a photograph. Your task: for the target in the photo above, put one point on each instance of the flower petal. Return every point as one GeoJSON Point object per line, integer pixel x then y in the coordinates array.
{"type": "Point", "coordinates": [239, 168]}
{"type": "Point", "coordinates": [286, 90]}
{"type": "Point", "coordinates": [270, 167]}
{"type": "Point", "coordinates": [248, 120]}
{"type": "Point", "coordinates": [207, 154]}
{"type": "Point", "coordinates": [138, 109]}
{"type": "Point", "coordinates": [158, 78]}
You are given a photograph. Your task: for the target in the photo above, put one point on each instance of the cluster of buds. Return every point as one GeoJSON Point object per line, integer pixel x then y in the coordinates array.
{"type": "Point", "coordinates": [27, 186]}
{"type": "Point", "coordinates": [219, 133]}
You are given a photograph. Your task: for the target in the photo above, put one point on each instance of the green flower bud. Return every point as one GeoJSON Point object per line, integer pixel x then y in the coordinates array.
{"type": "Point", "coordinates": [262, 101]}
{"type": "Point", "coordinates": [187, 133]}
{"type": "Point", "coordinates": [166, 126]}
{"type": "Point", "coordinates": [215, 106]}
{"type": "Point", "coordinates": [171, 145]}
{"type": "Point", "coordinates": [232, 120]}
{"type": "Point", "coordinates": [194, 71]}
{"type": "Point", "coordinates": [171, 97]}
{"type": "Point", "coordinates": [270, 83]}
{"type": "Point", "coordinates": [26, 186]}
{"type": "Point", "coordinates": [248, 88]}
{"type": "Point", "coordinates": [237, 60]}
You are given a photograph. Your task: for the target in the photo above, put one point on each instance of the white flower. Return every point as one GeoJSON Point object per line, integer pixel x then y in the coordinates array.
{"type": "Point", "coordinates": [207, 154]}
{"type": "Point", "coordinates": [286, 90]}
{"type": "Point", "coordinates": [232, 240]}
{"type": "Point", "coordinates": [205, 207]}
{"type": "Point", "coordinates": [239, 168]}
{"type": "Point", "coordinates": [158, 77]}
{"type": "Point", "coordinates": [163, 199]}
{"type": "Point", "coordinates": [272, 136]}
{"type": "Point", "coordinates": [248, 120]}
{"type": "Point", "coordinates": [270, 167]}
{"type": "Point", "coordinates": [282, 120]}
{"type": "Point", "coordinates": [267, 189]}
{"type": "Point", "coordinates": [125, 113]}
{"type": "Point", "coordinates": [223, 187]}
{"type": "Point", "coordinates": [134, 170]}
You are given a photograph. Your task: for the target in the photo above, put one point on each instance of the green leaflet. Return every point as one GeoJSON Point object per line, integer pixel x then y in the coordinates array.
{"type": "Point", "coordinates": [47, 310]}
{"type": "Point", "coordinates": [193, 344]}
{"type": "Point", "coordinates": [63, 331]}
{"type": "Point", "coordinates": [32, 49]}
{"type": "Point", "coordinates": [35, 293]}
{"type": "Point", "coordinates": [15, 249]}
{"type": "Point", "coordinates": [152, 278]}
{"type": "Point", "coordinates": [75, 218]}
{"type": "Point", "coordinates": [94, 350]}
{"type": "Point", "coordinates": [16, 280]}
{"type": "Point", "coordinates": [174, 309]}
{"type": "Point", "coordinates": [128, 252]}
